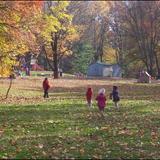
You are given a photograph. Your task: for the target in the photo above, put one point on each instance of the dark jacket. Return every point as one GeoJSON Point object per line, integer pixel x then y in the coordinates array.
{"type": "Point", "coordinates": [115, 96]}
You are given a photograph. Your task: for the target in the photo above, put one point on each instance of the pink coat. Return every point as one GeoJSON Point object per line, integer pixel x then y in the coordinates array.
{"type": "Point", "coordinates": [101, 99]}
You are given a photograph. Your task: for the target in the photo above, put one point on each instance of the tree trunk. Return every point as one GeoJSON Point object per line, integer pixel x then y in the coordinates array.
{"type": "Point", "coordinates": [28, 63]}
{"type": "Point", "coordinates": [101, 40]}
{"type": "Point", "coordinates": [96, 57]}
{"type": "Point", "coordinates": [157, 65]}
{"type": "Point", "coordinates": [54, 44]}
{"type": "Point", "coordinates": [55, 66]}
{"type": "Point", "coordinates": [10, 85]}
{"type": "Point", "coordinates": [44, 51]}
{"type": "Point", "coordinates": [151, 66]}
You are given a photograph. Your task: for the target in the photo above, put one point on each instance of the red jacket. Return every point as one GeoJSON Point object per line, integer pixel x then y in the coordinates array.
{"type": "Point", "coordinates": [89, 94]}
{"type": "Point", "coordinates": [46, 85]}
{"type": "Point", "coordinates": [101, 99]}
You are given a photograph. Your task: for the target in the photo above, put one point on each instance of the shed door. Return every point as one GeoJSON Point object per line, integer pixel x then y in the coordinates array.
{"type": "Point", "coordinates": [107, 72]}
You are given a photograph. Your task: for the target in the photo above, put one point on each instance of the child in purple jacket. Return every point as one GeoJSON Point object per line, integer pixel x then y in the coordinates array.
{"type": "Point", "coordinates": [101, 101]}
{"type": "Point", "coordinates": [115, 96]}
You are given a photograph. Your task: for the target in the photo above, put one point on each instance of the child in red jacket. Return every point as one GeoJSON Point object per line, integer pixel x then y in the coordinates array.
{"type": "Point", "coordinates": [89, 96]}
{"type": "Point", "coordinates": [101, 101]}
{"type": "Point", "coordinates": [46, 87]}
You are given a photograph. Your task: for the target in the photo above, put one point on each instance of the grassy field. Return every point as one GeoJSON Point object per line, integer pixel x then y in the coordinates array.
{"type": "Point", "coordinates": [63, 127]}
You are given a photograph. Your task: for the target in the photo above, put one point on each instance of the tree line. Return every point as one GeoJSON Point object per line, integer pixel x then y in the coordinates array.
{"type": "Point", "coordinates": [73, 34]}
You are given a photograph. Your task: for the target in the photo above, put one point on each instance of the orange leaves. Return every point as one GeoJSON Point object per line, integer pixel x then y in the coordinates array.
{"type": "Point", "coordinates": [13, 142]}
{"type": "Point", "coordinates": [104, 128]}
{"type": "Point", "coordinates": [40, 146]}
{"type": "Point", "coordinates": [27, 7]}
{"type": "Point", "coordinates": [141, 133]}
{"type": "Point", "coordinates": [125, 131]}
{"type": "Point", "coordinates": [16, 19]}
{"type": "Point", "coordinates": [81, 151]}
{"type": "Point", "coordinates": [154, 135]}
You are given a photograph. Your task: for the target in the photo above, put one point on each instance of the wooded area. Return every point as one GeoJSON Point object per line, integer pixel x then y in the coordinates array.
{"type": "Point", "coordinates": [68, 33]}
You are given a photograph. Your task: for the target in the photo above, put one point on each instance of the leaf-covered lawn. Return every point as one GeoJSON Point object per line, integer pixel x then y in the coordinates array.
{"type": "Point", "coordinates": [63, 127]}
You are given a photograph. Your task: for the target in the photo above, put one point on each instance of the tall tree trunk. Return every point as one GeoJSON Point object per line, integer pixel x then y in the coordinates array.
{"type": "Point", "coordinates": [96, 57]}
{"type": "Point", "coordinates": [44, 51]}
{"type": "Point", "coordinates": [150, 66]}
{"type": "Point", "coordinates": [101, 58]}
{"type": "Point", "coordinates": [54, 44]}
{"type": "Point", "coordinates": [157, 65]}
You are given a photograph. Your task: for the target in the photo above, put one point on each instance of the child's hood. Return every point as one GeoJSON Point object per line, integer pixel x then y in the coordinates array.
{"type": "Point", "coordinates": [101, 95]}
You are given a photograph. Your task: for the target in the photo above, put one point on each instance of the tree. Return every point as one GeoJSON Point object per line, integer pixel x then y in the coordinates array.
{"type": "Point", "coordinates": [57, 33]}
{"type": "Point", "coordinates": [137, 24]}
{"type": "Point", "coordinates": [83, 54]}
{"type": "Point", "coordinates": [92, 20]}
{"type": "Point", "coordinates": [15, 39]}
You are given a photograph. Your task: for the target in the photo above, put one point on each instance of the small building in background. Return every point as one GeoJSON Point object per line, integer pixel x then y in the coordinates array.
{"type": "Point", "coordinates": [104, 70]}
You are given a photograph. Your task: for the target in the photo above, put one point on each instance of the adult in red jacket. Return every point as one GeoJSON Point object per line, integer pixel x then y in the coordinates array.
{"type": "Point", "coordinates": [46, 87]}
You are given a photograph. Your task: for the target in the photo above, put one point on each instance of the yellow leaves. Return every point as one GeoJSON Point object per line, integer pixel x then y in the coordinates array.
{"type": "Point", "coordinates": [51, 24]}
{"type": "Point", "coordinates": [71, 30]}
{"type": "Point", "coordinates": [8, 53]}
{"type": "Point", "coordinates": [59, 7]}
{"type": "Point", "coordinates": [16, 17]}
{"type": "Point", "coordinates": [59, 20]}
{"type": "Point", "coordinates": [109, 54]}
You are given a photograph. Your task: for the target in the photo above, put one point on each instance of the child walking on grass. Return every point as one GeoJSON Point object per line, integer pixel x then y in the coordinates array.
{"type": "Point", "coordinates": [101, 101]}
{"type": "Point", "coordinates": [46, 87]}
{"type": "Point", "coordinates": [89, 96]}
{"type": "Point", "coordinates": [115, 96]}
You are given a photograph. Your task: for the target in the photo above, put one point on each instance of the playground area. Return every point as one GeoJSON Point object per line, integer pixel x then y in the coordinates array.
{"type": "Point", "coordinates": [63, 127]}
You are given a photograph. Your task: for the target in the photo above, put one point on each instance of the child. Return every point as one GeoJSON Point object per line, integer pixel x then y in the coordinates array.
{"type": "Point", "coordinates": [46, 87]}
{"type": "Point", "coordinates": [89, 96]}
{"type": "Point", "coordinates": [115, 96]}
{"type": "Point", "coordinates": [101, 99]}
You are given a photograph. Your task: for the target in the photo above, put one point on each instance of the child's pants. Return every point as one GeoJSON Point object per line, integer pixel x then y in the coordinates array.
{"type": "Point", "coordinates": [45, 94]}
{"type": "Point", "coordinates": [116, 104]}
{"type": "Point", "coordinates": [89, 102]}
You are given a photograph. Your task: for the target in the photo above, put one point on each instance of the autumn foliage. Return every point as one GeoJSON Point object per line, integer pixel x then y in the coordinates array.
{"type": "Point", "coordinates": [15, 35]}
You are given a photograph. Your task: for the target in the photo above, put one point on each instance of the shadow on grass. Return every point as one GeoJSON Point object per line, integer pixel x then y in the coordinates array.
{"type": "Point", "coordinates": [74, 111]}
{"type": "Point", "coordinates": [69, 129]}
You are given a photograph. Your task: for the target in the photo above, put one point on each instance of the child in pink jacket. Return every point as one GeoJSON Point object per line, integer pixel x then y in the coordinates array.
{"type": "Point", "coordinates": [101, 101]}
